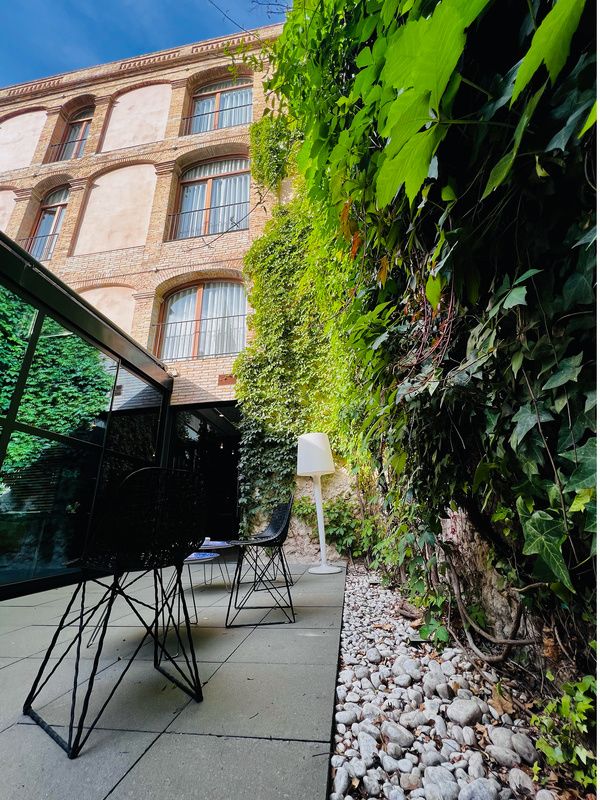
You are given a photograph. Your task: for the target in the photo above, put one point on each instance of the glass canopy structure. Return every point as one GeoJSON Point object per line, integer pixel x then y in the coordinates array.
{"type": "Point", "coordinates": [81, 406]}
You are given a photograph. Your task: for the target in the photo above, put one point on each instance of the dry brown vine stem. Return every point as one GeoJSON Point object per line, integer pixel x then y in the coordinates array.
{"type": "Point", "coordinates": [529, 586]}
{"type": "Point", "coordinates": [460, 645]}
{"type": "Point", "coordinates": [465, 616]}
{"type": "Point", "coordinates": [466, 620]}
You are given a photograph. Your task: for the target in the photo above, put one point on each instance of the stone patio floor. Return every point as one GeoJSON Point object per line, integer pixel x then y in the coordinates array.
{"type": "Point", "coordinates": [263, 730]}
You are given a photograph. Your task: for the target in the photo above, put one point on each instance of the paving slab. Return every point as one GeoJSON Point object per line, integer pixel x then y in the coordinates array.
{"type": "Point", "coordinates": [289, 645]}
{"type": "Point", "coordinates": [18, 677]}
{"type": "Point", "coordinates": [210, 643]}
{"type": "Point", "coordinates": [211, 768]}
{"type": "Point", "coordinates": [284, 701]}
{"type": "Point", "coordinates": [144, 701]}
{"type": "Point", "coordinates": [262, 731]}
{"type": "Point", "coordinates": [307, 617]}
{"type": "Point", "coordinates": [33, 766]}
{"type": "Point", "coordinates": [26, 641]}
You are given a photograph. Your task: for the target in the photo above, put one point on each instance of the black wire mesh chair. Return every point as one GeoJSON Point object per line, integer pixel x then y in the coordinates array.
{"type": "Point", "coordinates": [261, 560]}
{"type": "Point", "coordinates": [152, 521]}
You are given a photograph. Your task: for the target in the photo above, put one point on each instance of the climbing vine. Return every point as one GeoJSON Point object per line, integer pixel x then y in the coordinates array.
{"type": "Point", "coordinates": [448, 154]}
{"type": "Point", "coordinates": [284, 375]}
{"type": "Point", "coordinates": [460, 174]}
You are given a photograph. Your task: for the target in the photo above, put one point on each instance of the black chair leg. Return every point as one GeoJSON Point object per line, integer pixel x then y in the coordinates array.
{"type": "Point", "coordinates": [263, 565]}
{"type": "Point", "coordinates": [76, 738]}
{"type": "Point", "coordinates": [188, 679]}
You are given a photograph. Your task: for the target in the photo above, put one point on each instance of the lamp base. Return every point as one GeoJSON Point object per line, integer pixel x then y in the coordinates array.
{"type": "Point", "coordinates": [324, 569]}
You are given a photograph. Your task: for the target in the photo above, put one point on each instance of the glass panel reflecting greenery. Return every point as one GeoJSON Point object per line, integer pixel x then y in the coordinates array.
{"type": "Point", "coordinates": [82, 424]}
{"type": "Point", "coordinates": [69, 386]}
{"type": "Point", "coordinates": [16, 319]}
{"type": "Point", "coordinates": [46, 494]}
{"type": "Point", "coordinates": [133, 428]}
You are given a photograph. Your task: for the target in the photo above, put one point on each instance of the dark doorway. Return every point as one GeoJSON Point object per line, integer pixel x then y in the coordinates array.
{"type": "Point", "coordinates": [206, 439]}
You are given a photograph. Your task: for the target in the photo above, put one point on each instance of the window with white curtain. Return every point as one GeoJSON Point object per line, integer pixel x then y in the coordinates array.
{"type": "Point", "coordinates": [214, 198]}
{"type": "Point", "coordinates": [220, 105]}
{"type": "Point", "coordinates": [204, 320]}
{"type": "Point", "coordinates": [48, 224]}
{"type": "Point", "coordinates": [75, 136]}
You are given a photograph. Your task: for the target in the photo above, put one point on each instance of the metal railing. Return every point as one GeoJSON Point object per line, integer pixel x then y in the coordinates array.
{"type": "Point", "coordinates": [40, 247]}
{"type": "Point", "coordinates": [65, 151]}
{"type": "Point", "coordinates": [200, 338]}
{"type": "Point", "coordinates": [202, 123]}
{"type": "Point", "coordinates": [207, 221]}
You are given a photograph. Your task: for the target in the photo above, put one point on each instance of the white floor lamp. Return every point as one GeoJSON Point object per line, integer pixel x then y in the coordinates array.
{"type": "Point", "coordinates": [314, 460]}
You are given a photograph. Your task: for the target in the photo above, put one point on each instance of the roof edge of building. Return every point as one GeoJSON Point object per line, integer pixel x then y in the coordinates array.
{"type": "Point", "coordinates": [145, 62]}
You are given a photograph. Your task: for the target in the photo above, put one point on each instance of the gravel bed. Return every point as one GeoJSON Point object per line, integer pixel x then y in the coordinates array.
{"type": "Point", "coordinates": [413, 721]}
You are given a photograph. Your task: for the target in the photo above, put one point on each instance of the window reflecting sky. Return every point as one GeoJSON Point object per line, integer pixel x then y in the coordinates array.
{"type": "Point", "coordinates": [40, 38]}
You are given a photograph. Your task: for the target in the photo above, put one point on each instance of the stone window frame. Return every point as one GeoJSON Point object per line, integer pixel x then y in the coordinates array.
{"type": "Point", "coordinates": [172, 218]}
{"type": "Point", "coordinates": [47, 248]}
{"type": "Point", "coordinates": [198, 284]}
{"type": "Point", "coordinates": [83, 117]}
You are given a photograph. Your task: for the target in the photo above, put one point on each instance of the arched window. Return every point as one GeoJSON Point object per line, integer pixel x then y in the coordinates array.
{"type": "Point", "coordinates": [204, 320]}
{"type": "Point", "coordinates": [213, 198]}
{"type": "Point", "coordinates": [49, 221]}
{"type": "Point", "coordinates": [220, 105]}
{"type": "Point", "coordinates": [75, 136]}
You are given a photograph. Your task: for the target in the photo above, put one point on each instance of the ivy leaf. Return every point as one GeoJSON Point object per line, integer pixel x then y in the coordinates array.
{"type": "Point", "coordinates": [590, 400]}
{"type": "Point", "coordinates": [516, 297]}
{"type": "Point", "coordinates": [503, 167]}
{"type": "Point", "coordinates": [526, 275]}
{"type": "Point", "coordinates": [582, 499]}
{"type": "Point", "coordinates": [550, 44]}
{"type": "Point", "coordinates": [584, 475]}
{"type": "Point", "coordinates": [561, 139]}
{"type": "Point", "coordinates": [516, 362]}
{"type": "Point", "coordinates": [409, 167]}
{"type": "Point", "coordinates": [499, 173]}
{"type": "Point", "coordinates": [526, 419]}
{"type": "Point", "coordinates": [591, 522]}
{"type": "Point", "coordinates": [544, 536]}
{"type": "Point", "coordinates": [380, 340]}
{"type": "Point", "coordinates": [568, 370]}
{"type": "Point", "coordinates": [591, 120]}
{"type": "Point", "coordinates": [426, 51]}
{"type": "Point", "coordinates": [588, 238]}
{"type": "Point", "coordinates": [578, 289]}
{"type": "Point", "coordinates": [433, 290]}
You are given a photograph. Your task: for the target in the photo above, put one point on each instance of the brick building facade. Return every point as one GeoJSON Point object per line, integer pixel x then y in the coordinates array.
{"type": "Point", "coordinates": [112, 177]}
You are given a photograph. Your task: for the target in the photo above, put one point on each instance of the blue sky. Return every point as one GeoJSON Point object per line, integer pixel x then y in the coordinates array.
{"type": "Point", "coordinates": [40, 37]}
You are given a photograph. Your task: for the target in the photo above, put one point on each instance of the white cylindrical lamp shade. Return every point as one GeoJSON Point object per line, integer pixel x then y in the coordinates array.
{"type": "Point", "coordinates": [314, 455]}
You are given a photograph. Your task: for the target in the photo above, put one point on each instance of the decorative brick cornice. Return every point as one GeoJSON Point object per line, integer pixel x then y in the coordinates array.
{"type": "Point", "coordinates": [194, 53]}
{"type": "Point", "coordinates": [147, 61]}
{"type": "Point", "coordinates": [236, 41]}
{"type": "Point", "coordinates": [35, 87]}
